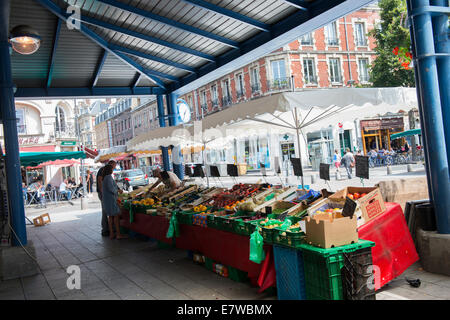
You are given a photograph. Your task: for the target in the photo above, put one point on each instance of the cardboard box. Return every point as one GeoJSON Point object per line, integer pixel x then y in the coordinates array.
{"type": "Point", "coordinates": [325, 232]}
{"type": "Point", "coordinates": [369, 207]}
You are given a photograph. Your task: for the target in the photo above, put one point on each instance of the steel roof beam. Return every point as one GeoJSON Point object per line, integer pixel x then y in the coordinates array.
{"type": "Point", "coordinates": [229, 13]}
{"type": "Point", "coordinates": [152, 57]}
{"type": "Point", "coordinates": [42, 93]}
{"type": "Point", "coordinates": [170, 22]}
{"type": "Point", "coordinates": [300, 4]}
{"type": "Point", "coordinates": [99, 68]}
{"type": "Point", "coordinates": [136, 80]}
{"type": "Point", "coordinates": [151, 74]}
{"type": "Point", "coordinates": [52, 58]}
{"type": "Point", "coordinates": [141, 36]}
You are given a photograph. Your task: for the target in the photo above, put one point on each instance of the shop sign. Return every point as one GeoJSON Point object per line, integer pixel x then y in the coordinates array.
{"type": "Point", "coordinates": [68, 143]}
{"type": "Point", "coordinates": [29, 140]}
{"type": "Point", "coordinates": [381, 124]}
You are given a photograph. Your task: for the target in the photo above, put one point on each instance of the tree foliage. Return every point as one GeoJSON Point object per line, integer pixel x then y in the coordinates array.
{"type": "Point", "coordinates": [386, 70]}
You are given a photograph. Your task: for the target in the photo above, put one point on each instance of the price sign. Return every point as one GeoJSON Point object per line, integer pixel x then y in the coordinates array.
{"type": "Point", "coordinates": [232, 170]}
{"type": "Point", "coordinates": [324, 171]}
{"type": "Point", "coordinates": [277, 165]}
{"type": "Point", "coordinates": [349, 207]}
{"type": "Point", "coordinates": [214, 171]}
{"type": "Point", "coordinates": [188, 170]}
{"type": "Point", "coordinates": [198, 171]}
{"type": "Point", "coordinates": [297, 165]}
{"type": "Point", "coordinates": [263, 169]}
{"type": "Point", "coordinates": [362, 167]}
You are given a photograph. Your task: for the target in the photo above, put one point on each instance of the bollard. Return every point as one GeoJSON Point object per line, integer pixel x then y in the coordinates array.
{"type": "Point", "coordinates": [389, 170]}
{"type": "Point", "coordinates": [84, 203]}
{"type": "Point", "coordinates": [409, 167]}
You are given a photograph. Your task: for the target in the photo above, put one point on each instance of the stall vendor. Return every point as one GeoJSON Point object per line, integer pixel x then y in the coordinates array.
{"type": "Point", "coordinates": [171, 183]}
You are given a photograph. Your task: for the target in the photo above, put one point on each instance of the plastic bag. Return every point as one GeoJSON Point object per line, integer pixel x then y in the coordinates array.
{"type": "Point", "coordinates": [286, 224]}
{"type": "Point", "coordinates": [173, 230]}
{"type": "Point", "coordinates": [256, 247]}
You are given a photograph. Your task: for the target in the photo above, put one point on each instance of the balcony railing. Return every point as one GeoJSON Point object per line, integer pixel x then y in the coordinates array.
{"type": "Point", "coordinates": [239, 94]}
{"type": "Point", "coordinates": [65, 131]}
{"type": "Point", "coordinates": [255, 87]}
{"type": "Point", "coordinates": [204, 106]}
{"type": "Point", "coordinates": [311, 79]}
{"type": "Point", "coordinates": [215, 102]}
{"type": "Point", "coordinates": [333, 42]}
{"type": "Point", "coordinates": [21, 129]}
{"type": "Point", "coordinates": [226, 101]}
{"type": "Point", "coordinates": [336, 79]}
{"type": "Point", "coordinates": [279, 84]}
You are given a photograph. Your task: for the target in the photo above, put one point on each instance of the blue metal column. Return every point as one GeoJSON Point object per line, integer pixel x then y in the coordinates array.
{"type": "Point", "coordinates": [8, 112]}
{"type": "Point", "coordinates": [442, 46]}
{"type": "Point", "coordinates": [430, 107]}
{"type": "Point", "coordinates": [162, 124]}
{"type": "Point", "coordinates": [174, 120]}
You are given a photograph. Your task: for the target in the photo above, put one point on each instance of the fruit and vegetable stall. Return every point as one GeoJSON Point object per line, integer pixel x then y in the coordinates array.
{"type": "Point", "coordinates": [305, 243]}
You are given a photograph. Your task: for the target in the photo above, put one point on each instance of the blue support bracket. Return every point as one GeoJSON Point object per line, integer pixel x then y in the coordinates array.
{"type": "Point", "coordinates": [170, 22]}
{"type": "Point", "coordinates": [99, 68]}
{"type": "Point", "coordinates": [153, 58]}
{"type": "Point", "coordinates": [141, 36]}
{"type": "Point", "coordinates": [34, 93]}
{"type": "Point", "coordinates": [62, 14]}
{"type": "Point", "coordinates": [52, 58]}
{"type": "Point", "coordinates": [229, 13]}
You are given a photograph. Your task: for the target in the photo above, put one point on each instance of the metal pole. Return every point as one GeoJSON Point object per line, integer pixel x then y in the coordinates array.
{"type": "Point", "coordinates": [8, 113]}
{"type": "Point", "coordinates": [430, 106]}
{"type": "Point", "coordinates": [83, 172]}
{"type": "Point", "coordinates": [298, 143]}
{"type": "Point", "coordinates": [204, 163]}
{"type": "Point", "coordinates": [442, 46]}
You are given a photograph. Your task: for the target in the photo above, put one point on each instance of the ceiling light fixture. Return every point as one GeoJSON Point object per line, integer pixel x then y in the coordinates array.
{"type": "Point", "coordinates": [25, 40]}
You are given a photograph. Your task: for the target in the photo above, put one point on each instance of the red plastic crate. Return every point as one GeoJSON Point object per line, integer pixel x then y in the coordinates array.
{"type": "Point", "coordinates": [394, 249]}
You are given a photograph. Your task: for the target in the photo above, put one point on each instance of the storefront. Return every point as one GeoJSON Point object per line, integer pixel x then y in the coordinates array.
{"type": "Point", "coordinates": [376, 133]}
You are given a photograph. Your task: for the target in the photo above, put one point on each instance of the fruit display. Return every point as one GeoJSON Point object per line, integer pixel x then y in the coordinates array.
{"type": "Point", "coordinates": [356, 195]}
{"type": "Point", "coordinates": [270, 223]}
{"type": "Point", "coordinates": [230, 197]}
{"type": "Point", "coordinates": [200, 208]}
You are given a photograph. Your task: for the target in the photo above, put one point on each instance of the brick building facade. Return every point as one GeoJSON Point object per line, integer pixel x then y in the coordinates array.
{"type": "Point", "coordinates": [337, 55]}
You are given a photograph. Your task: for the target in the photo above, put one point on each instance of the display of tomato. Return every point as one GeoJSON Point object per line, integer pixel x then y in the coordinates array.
{"type": "Point", "coordinates": [363, 195]}
{"type": "Point", "coordinates": [350, 196]}
{"type": "Point", "coordinates": [356, 196]}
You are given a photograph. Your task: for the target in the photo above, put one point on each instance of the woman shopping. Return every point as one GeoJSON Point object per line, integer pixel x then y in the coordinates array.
{"type": "Point", "coordinates": [109, 202]}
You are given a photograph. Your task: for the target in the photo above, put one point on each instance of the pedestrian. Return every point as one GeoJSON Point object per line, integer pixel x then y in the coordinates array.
{"type": "Point", "coordinates": [109, 200]}
{"type": "Point", "coordinates": [89, 181]}
{"type": "Point", "coordinates": [105, 228]}
{"type": "Point", "coordinates": [337, 160]}
{"type": "Point", "coordinates": [348, 161]}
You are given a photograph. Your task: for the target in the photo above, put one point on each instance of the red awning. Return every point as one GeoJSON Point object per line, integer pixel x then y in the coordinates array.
{"type": "Point", "coordinates": [122, 157]}
{"type": "Point", "coordinates": [90, 153]}
{"type": "Point", "coordinates": [62, 163]}
{"type": "Point", "coordinates": [50, 148]}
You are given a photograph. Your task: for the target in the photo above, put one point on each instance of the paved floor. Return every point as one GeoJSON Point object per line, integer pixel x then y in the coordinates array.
{"type": "Point", "coordinates": [134, 269]}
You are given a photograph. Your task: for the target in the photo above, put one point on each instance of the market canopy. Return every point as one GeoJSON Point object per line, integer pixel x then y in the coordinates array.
{"type": "Point", "coordinates": [110, 48]}
{"type": "Point", "coordinates": [406, 133]}
{"type": "Point", "coordinates": [33, 159]}
{"type": "Point", "coordinates": [282, 113]}
{"type": "Point", "coordinates": [61, 163]}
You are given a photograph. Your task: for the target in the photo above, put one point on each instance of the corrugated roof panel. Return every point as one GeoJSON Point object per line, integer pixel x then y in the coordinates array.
{"type": "Point", "coordinates": [115, 73]}
{"type": "Point", "coordinates": [76, 59]}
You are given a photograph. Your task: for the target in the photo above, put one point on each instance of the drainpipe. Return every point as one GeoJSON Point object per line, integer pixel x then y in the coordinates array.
{"type": "Point", "coordinates": [350, 81]}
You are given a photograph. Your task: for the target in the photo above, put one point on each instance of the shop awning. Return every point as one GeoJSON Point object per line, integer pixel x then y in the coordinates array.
{"type": "Point", "coordinates": [405, 133]}
{"type": "Point", "coordinates": [33, 159]}
{"type": "Point", "coordinates": [282, 112]}
{"type": "Point", "coordinates": [61, 163]}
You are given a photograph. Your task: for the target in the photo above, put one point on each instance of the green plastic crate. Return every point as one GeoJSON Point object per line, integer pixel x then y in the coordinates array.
{"type": "Point", "coordinates": [237, 275]}
{"type": "Point", "coordinates": [323, 269]}
{"type": "Point", "coordinates": [288, 238]}
{"type": "Point", "coordinates": [209, 263]}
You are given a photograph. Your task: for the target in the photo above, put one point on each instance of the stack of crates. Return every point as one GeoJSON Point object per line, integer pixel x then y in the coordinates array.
{"type": "Point", "coordinates": [358, 282]}
{"type": "Point", "coordinates": [289, 273]}
{"type": "Point", "coordinates": [322, 267]}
